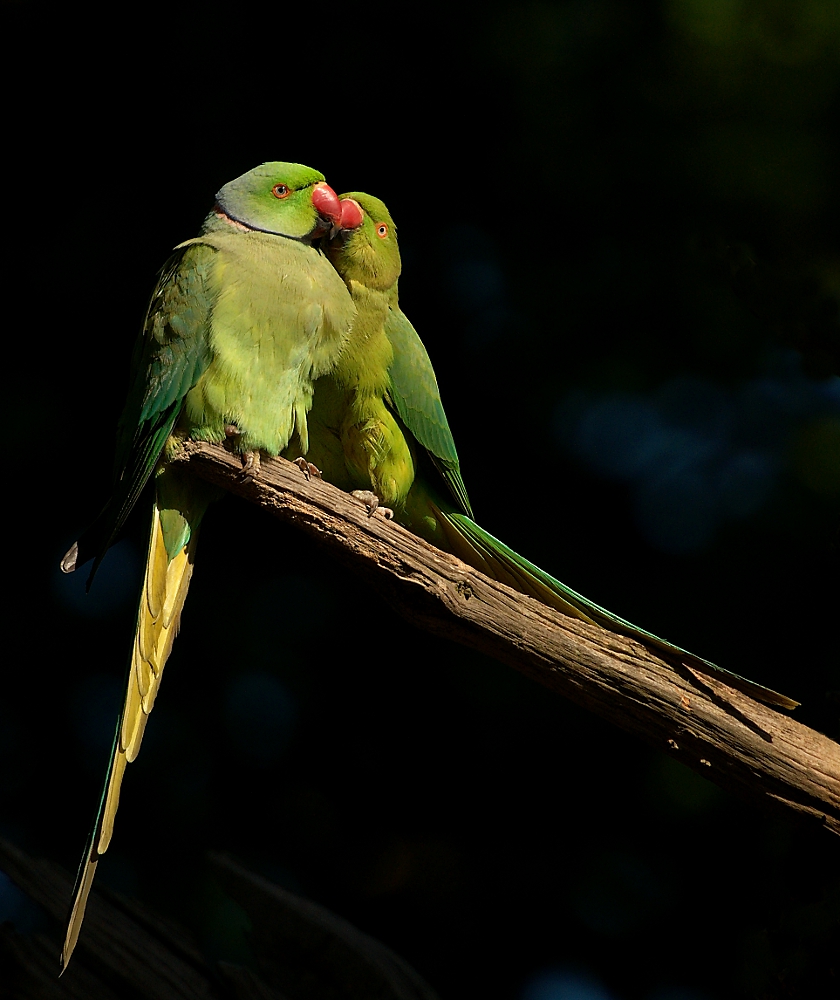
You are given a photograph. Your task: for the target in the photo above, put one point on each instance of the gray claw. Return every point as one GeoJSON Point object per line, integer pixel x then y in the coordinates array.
{"type": "Point", "coordinates": [371, 501]}
{"type": "Point", "coordinates": [250, 466]}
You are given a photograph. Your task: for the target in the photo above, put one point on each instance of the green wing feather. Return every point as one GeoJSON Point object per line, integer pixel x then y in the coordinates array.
{"type": "Point", "coordinates": [416, 397]}
{"type": "Point", "coordinates": [170, 356]}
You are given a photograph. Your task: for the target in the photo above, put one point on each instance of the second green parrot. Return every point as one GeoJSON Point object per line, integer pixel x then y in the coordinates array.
{"type": "Point", "coordinates": [378, 425]}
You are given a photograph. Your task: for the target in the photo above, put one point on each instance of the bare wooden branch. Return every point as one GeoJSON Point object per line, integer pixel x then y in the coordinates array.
{"type": "Point", "coordinates": [721, 733]}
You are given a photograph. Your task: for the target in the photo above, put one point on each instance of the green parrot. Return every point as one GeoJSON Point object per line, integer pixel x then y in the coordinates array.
{"type": "Point", "coordinates": [244, 318]}
{"type": "Point", "coordinates": [378, 428]}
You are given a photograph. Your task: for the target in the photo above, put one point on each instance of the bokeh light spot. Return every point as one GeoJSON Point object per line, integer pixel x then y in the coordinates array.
{"type": "Point", "coordinates": [94, 710]}
{"type": "Point", "coordinates": [817, 456]}
{"type": "Point", "coordinates": [260, 715]}
{"type": "Point", "coordinates": [700, 453]}
{"type": "Point", "coordinates": [565, 984]}
{"type": "Point", "coordinates": [17, 908]}
{"type": "Point", "coordinates": [618, 893]}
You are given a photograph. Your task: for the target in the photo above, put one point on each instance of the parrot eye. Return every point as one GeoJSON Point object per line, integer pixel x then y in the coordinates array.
{"type": "Point", "coordinates": [281, 191]}
{"type": "Point", "coordinates": [382, 230]}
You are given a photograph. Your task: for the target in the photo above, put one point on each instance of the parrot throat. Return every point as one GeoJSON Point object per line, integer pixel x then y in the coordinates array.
{"type": "Point", "coordinates": [224, 219]}
{"type": "Point", "coordinates": [222, 216]}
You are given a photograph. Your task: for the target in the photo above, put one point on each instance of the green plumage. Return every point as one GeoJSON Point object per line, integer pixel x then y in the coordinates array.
{"type": "Point", "coordinates": [243, 319]}
{"type": "Point", "coordinates": [240, 324]}
{"type": "Point", "coordinates": [378, 424]}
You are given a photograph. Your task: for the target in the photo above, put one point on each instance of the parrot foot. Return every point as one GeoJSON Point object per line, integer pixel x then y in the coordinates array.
{"type": "Point", "coordinates": [250, 466]}
{"type": "Point", "coordinates": [371, 501]}
{"type": "Point", "coordinates": [308, 469]}
{"type": "Point", "coordinates": [231, 431]}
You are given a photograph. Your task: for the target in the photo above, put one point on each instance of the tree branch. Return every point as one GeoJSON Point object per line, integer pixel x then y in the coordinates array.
{"type": "Point", "coordinates": [722, 734]}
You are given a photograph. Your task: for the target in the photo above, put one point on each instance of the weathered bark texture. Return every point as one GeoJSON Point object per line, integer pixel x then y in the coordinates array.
{"type": "Point", "coordinates": [721, 733]}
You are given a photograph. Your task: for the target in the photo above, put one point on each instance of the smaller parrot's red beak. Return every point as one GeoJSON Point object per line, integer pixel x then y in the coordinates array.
{"type": "Point", "coordinates": [327, 204]}
{"type": "Point", "coordinates": [351, 214]}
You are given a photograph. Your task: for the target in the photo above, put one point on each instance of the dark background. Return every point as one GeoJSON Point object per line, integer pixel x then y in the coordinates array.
{"type": "Point", "coordinates": [619, 229]}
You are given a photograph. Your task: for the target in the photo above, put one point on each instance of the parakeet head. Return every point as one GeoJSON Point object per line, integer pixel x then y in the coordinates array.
{"type": "Point", "coordinates": [366, 249]}
{"type": "Point", "coordinates": [288, 199]}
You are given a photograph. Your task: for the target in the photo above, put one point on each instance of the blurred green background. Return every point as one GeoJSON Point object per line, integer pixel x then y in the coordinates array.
{"type": "Point", "coordinates": [619, 224]}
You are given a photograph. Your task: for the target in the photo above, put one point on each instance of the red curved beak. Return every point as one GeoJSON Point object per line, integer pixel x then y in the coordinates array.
{"type": "Point", "coordinates": [326, 203]}
{"type": "Point", "coordinates": [351, 214]}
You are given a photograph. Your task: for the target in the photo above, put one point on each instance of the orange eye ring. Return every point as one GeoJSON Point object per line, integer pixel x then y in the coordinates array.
{"type": "Point", "coordinates": [281, 191]}
{"type": "Point", "coordinates": [381, 230]}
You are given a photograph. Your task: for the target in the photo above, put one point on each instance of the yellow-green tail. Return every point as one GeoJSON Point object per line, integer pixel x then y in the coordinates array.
{"type": "Point", "coordinates": [158, 616]}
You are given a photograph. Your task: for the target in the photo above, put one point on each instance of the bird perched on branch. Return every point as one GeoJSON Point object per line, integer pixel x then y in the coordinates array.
{"type": "Point", "coordinates": [244, 318]}
{"type": "Point", "coordinates": [378, 429]}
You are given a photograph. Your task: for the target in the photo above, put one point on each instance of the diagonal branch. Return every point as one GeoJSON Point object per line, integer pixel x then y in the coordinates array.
{"type": "Point", "coordinates": [721, 733]}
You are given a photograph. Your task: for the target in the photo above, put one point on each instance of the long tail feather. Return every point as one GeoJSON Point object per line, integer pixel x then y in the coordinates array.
{"type": "Point", "coordinates": [480, 549]}
{"type": "Point", "coordinates": [158, 616]}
